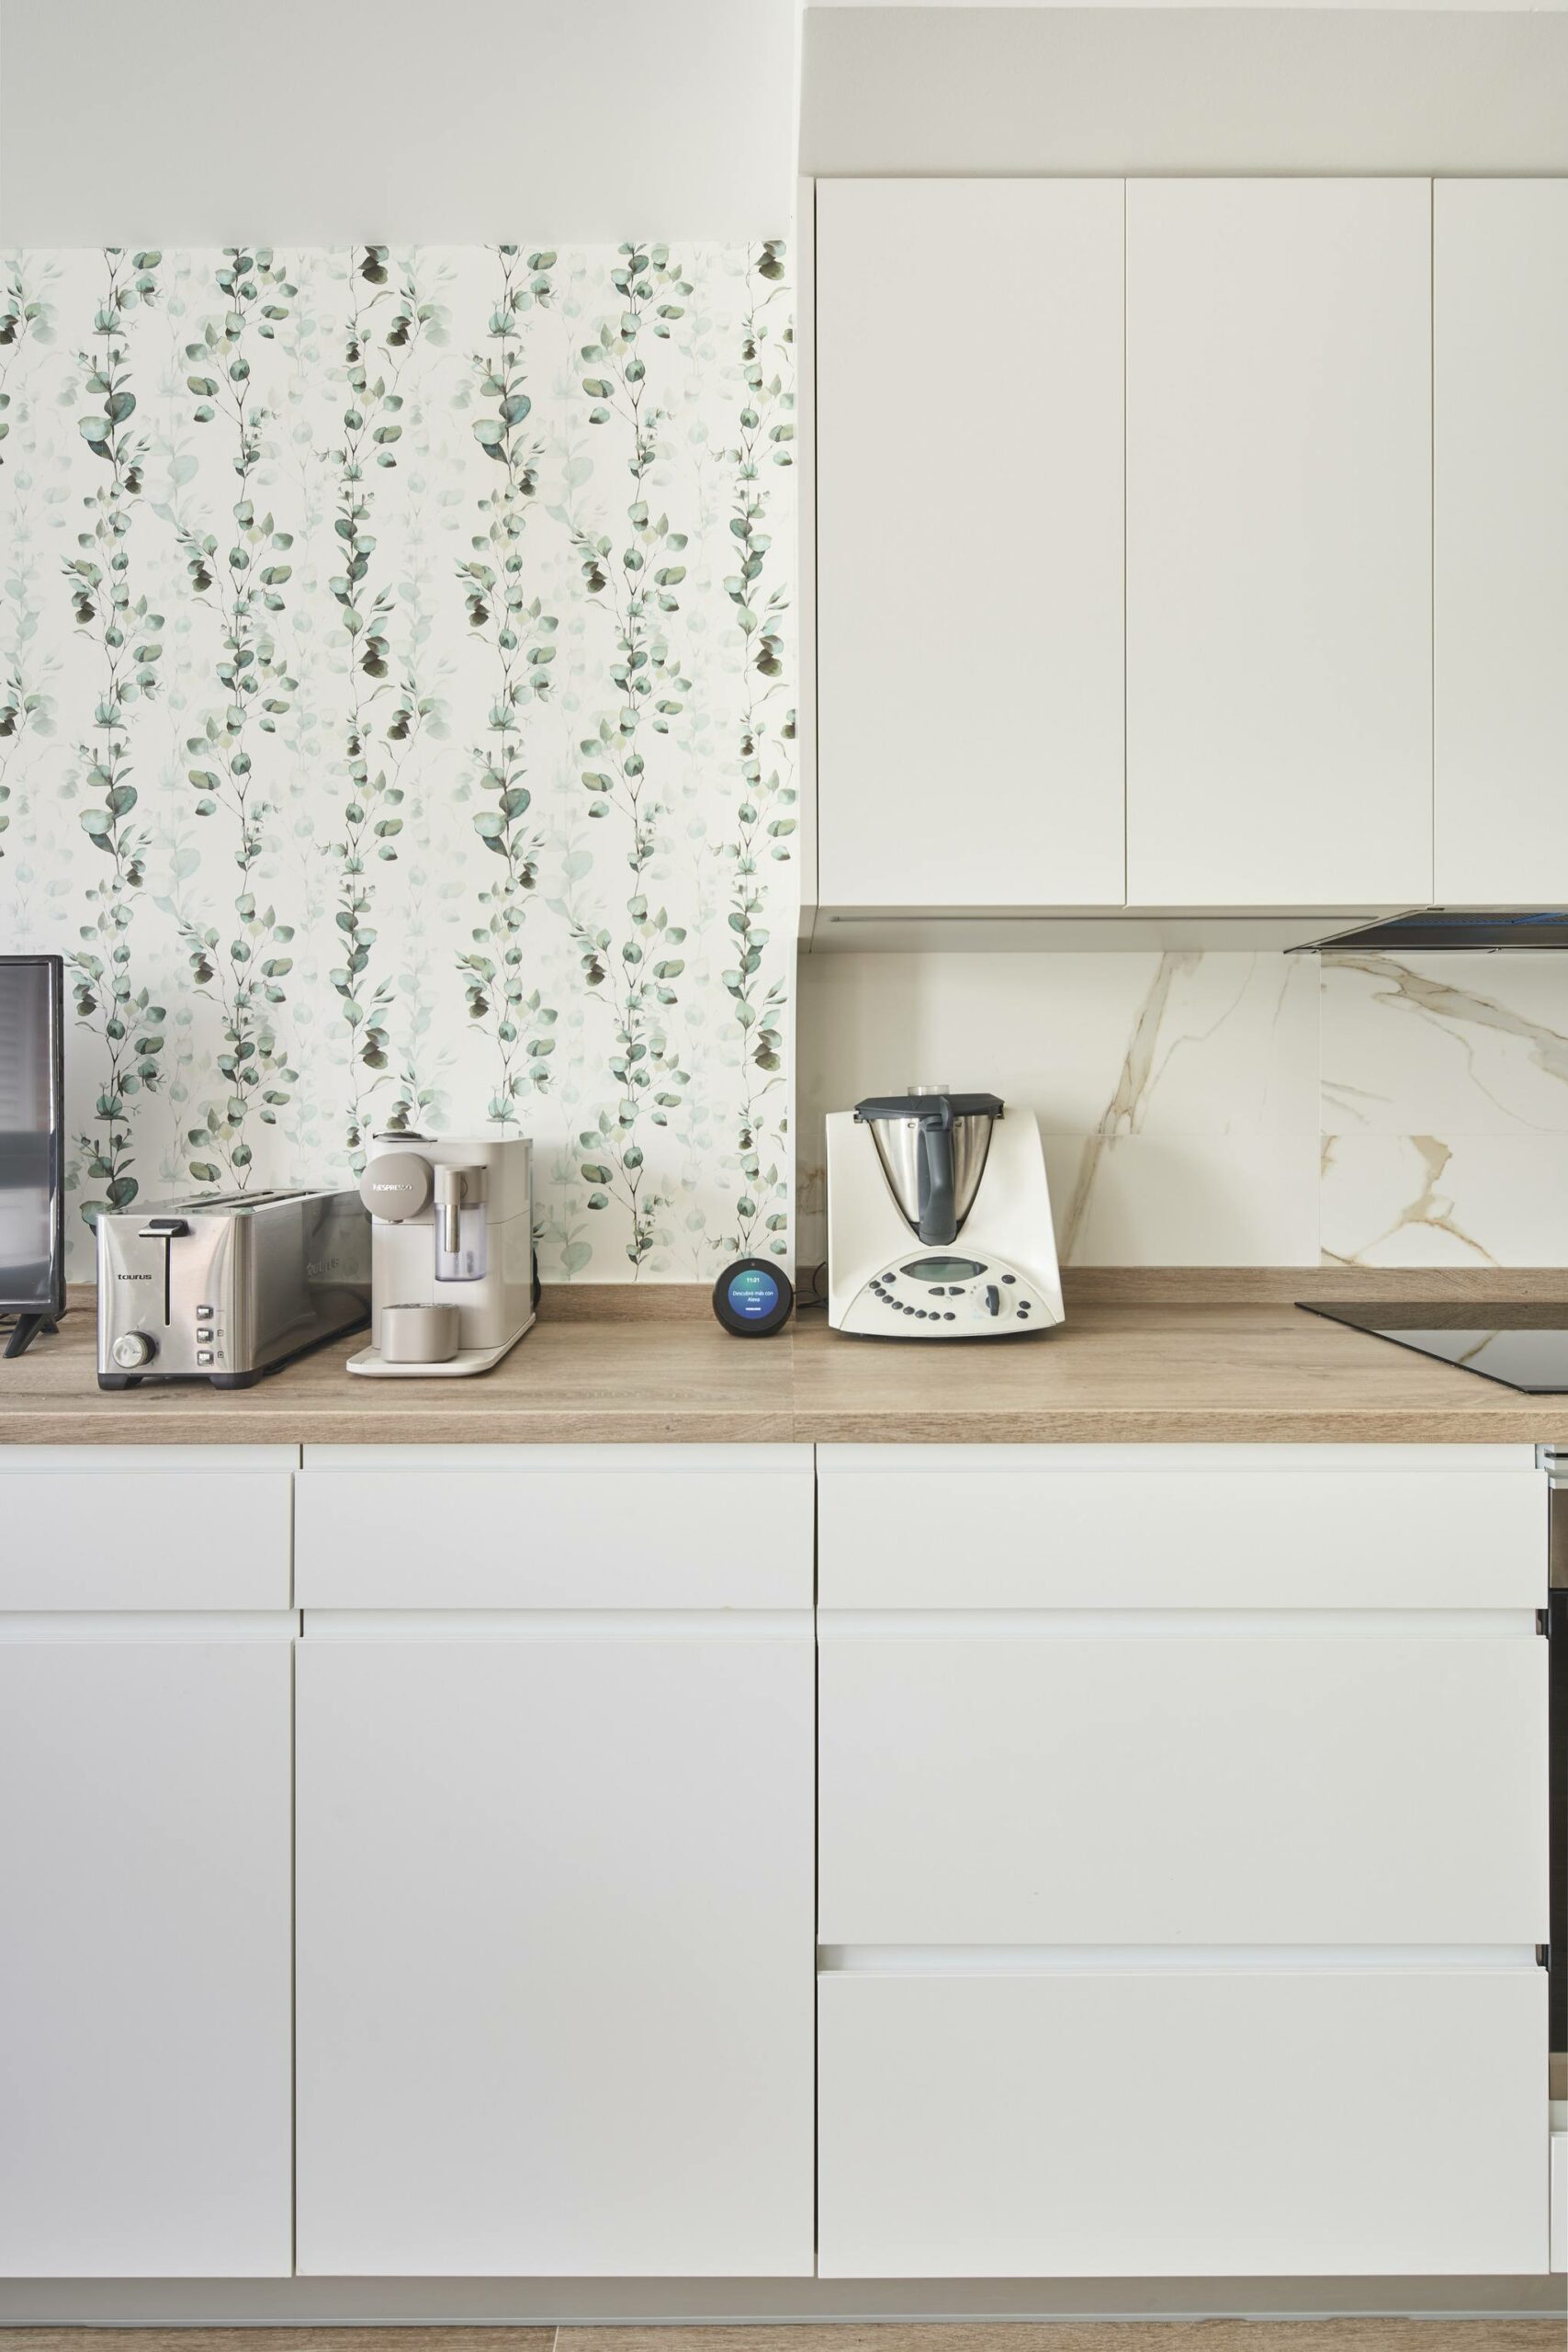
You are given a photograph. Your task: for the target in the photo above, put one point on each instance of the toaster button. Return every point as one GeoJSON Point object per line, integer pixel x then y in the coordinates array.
{"type": "Point", "coordinates": [204, 1355]}
{"type": "Point", "coordinates": [203, 1335]}
{"type": "Point", "coordinates": [205, 1311]}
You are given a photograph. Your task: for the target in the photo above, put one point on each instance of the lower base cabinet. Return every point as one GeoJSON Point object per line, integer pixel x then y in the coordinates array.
{"type": "Point", "coordinates": [1184, 1847]}
{"type": "Point", "coordinates": [555, 1956]}
{"type": "Point", "coordinates": [144, 1947]}
{"type": "Point", "coordinates": [1178, 2121]}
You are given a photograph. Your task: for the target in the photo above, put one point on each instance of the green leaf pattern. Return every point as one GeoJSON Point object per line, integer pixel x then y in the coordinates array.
{"type": "Point", "coordinates": [396, 721]}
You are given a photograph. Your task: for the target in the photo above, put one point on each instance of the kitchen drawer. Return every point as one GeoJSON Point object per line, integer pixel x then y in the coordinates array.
{"type": "Point", "coordinates": [1258, 1777]}
{"type": "Point", "coordinates": [1216, 1526]}
{"type": "Point", "coordinates": [563, 1527]}
{"type": "Point", "coordinates": [1219, 2122]}
{"type": "Point", "coordinates": [140, 1528]}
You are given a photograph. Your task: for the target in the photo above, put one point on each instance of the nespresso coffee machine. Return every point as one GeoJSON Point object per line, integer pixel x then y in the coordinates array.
{"type": "Point", "coordinates": [451, 1254]}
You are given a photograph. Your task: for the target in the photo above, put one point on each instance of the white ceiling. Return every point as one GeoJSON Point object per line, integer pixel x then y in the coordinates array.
{"type": "Point", "coordinates": [429, 121]}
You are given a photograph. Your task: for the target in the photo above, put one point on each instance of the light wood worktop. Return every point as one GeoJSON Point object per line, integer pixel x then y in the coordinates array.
{"type": "Point", "coordinates": [1120, 1370]}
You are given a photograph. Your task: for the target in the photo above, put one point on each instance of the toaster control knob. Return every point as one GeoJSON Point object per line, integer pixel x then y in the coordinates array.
{"type": "Point", "coordinates": [130, 1349]}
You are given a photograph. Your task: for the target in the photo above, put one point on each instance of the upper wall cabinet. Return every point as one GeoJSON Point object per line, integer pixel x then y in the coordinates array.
{"type": "Point", "coordinates": [969, 522]}
{"type": "Point", "coordinates": [1500, 406]}
{"type": "Point", "coordinates": [1278, 543]}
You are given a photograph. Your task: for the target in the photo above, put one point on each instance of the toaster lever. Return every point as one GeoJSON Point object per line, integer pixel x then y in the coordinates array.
{"type": "Point", "coordinates": [164, 1230]}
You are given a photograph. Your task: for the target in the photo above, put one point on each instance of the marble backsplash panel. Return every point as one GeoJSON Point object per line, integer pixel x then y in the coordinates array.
{"type": "Point", "coordinates": [1445, 1111]}
{"type": "Point", "coordinates": [1222, 1109]}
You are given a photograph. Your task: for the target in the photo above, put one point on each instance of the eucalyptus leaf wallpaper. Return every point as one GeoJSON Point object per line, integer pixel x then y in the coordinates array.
{"type": "Point", "coordinates": [397, 721]}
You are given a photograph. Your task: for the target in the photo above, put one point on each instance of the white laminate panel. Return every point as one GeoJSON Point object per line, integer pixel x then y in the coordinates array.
{"type": "Point", "coordinates": [198, 1539]}
{"type": "Point", "coordinates": [1173, 2124]}
{"type": "Point", "coordinates": [1234, 1786]}
{"type": "Point", "coordinates": [145, 1960]}
{"type": "Point", "coordinates": [969, 543]}
{"type": "Point", "coordinates": [1278, 543]}
{"type": "Point", "coordinates": [577, 1537]}
{"type": "Point", "coordinates": [1500, 450]}
{"type": "Point", "coordinates": [555, 1957]}
{"type": "Point", "coordinates": [909, 1537]}
{"type": "Point", "coordinates": [112, 1460]}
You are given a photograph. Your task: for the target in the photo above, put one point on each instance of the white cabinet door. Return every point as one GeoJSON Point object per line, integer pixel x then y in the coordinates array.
{"type": "Point", "coordinates": [556, 1948]}
{"type": "Point", "coordinates": [1230, 2121]}
{"type": "Point", "coordinates": [1500, 422]}
{"type": "Point", "coordinates": [144, 1959]}
{"type": "Point", "coordinates": [1278, 543]}
{"type": "Point", "coordinates": [969, 542]}
{"type": "Point", "coordinates": [1060, 1777]}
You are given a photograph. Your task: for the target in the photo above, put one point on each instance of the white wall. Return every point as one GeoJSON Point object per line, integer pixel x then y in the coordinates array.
{"type": "Point", "coordinates": [320, 122]}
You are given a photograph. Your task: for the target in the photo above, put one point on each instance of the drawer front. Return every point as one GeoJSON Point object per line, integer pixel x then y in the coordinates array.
{"type": "Point", "coordinates": [101, 1537]}
{"type": "Point", "coordinates": [933, 1527]}
{"type": "Point", "coordinates": [1233, 2123]}
{"type": "Point", "coordinates": [1060, 1778]}
{"type": "Point", "coordinates": [598, 1530]}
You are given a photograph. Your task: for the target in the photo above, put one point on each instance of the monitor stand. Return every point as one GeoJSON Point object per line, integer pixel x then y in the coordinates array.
{"type": "Point", "coordinates": [28, 1326]}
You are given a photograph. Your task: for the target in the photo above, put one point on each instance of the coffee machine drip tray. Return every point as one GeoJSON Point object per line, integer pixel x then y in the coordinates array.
{"type": "Point", "coordinates": [1525, 1347]}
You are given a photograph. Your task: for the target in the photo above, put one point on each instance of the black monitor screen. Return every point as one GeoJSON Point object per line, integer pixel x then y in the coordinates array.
{"type": "Point", "coordinates": [30, 1271]}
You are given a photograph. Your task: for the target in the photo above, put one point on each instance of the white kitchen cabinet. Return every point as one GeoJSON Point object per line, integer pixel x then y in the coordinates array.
{"type": "Point", "coordinates": [1199, 1702]}
{"type": "Point", "coordinates": [145, 1960]}
{"type": "Point", "coordinates": [1193, 1777]}
{"type": "Point", "coordinates": [1278, 543]}
{"type": "Point", "coordinates": [145, 1538]}
{"type": "Point", "coordinates": [968, 519]}
{"type": "Point", "coordinates": [1212, 2119]}
{"type": "Point", "coordinates": [1182, 1862]}
{"type": "Point", "coordinates": [554, 1877]}
{"type": "Point", "coordinates": [632, 1527]}
{"type": "Point", "coordinates": [1157, 1527]}
{"type": "Point", "coordinates": [1500, 401]}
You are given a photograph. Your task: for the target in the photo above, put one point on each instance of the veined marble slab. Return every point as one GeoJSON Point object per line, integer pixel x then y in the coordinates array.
{"type": "Point", "coordinates": [1445, 1044]}
{"type": "Point", "coordinates": [1234, 1110]}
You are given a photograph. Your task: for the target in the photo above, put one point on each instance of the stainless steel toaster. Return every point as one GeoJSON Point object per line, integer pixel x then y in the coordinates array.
{"type": "Point", "coordinates": [227, 1287]}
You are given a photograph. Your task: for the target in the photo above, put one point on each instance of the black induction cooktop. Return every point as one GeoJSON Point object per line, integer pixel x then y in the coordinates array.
{"type": "Point", "coordinates": [1524, 1346]}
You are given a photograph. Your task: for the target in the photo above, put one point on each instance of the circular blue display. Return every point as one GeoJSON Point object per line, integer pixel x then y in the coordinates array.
{"type": "Point", "coordinates": [753, 1299]}
{"type": "Point", "coordinates": [753, 1292]}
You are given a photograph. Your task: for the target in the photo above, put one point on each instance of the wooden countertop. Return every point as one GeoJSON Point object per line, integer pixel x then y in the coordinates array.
{"type": "Point", "coordinates": [1122, 1370]}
